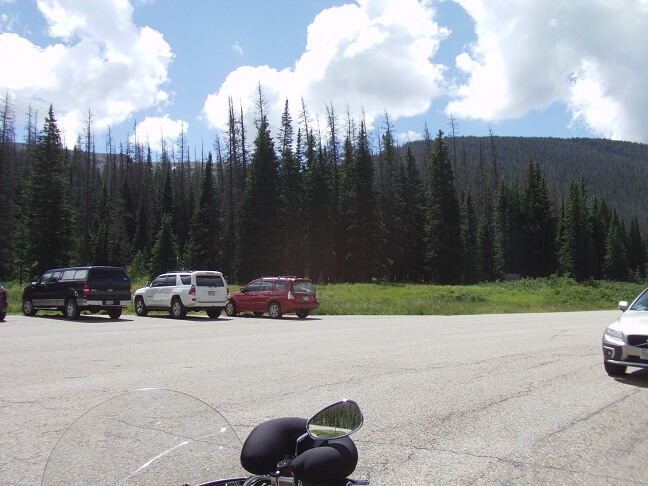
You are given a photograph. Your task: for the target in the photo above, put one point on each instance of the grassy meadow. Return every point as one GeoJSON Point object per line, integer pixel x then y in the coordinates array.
{"type": "Point", "coordinates": [526, 295]}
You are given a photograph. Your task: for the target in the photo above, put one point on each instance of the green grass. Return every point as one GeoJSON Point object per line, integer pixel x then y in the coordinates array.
{"type": "Point", "coordinates": [526, 295]}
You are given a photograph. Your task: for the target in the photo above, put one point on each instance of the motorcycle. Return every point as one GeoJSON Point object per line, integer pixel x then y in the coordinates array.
{"type": "Point", "coordinates": [155, 436]}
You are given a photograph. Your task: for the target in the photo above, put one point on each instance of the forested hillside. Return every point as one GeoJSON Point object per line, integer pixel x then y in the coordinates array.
{"type": "Point", "coordinates": [335, 203]}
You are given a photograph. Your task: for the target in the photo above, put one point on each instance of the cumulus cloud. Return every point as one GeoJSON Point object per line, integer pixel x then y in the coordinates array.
{"type": "Point", "coordinates": [587, 54]}
{"type": "Point", "coordinates": [104, 63]}
{"type": "Point", "coordinates": [372, 55]}
{"type": "Point", "coordinates": [153, 130]}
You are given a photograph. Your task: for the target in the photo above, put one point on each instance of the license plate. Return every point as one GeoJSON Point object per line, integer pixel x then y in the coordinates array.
{"type": "Point", "coordinates": [111, 302]}
{"type": "Point", "coordinates": [643, 353]}
{"type": "Point", "coordinates": [306, 298]}
{"type": "Point", "coordinates": [211, 292]}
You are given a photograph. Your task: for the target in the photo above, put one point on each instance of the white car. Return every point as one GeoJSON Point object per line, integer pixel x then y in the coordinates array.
{"type": "Point", "coordinates": [181, 292]}
{"type": "Point", "coordinates": [625, 341]}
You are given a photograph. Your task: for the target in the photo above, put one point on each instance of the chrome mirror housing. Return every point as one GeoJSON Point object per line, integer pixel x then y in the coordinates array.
{"type": "Point", "coordinates": [337, 420]}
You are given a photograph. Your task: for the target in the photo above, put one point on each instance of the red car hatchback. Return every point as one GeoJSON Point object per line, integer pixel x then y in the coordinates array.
{"type": "Point", "coordinates": [276, 296]}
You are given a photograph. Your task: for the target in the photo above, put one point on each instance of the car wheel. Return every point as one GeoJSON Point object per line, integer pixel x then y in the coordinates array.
{"type": "Point", "coordinates": [230, 308]}
{"type": "Point", "coordinates": [140, 307]}
{"type": "Point", "coordinates": [71, 310]}
{"type": "Point", "coordinates": [614, 369]}
{"type": "Point", "coordinates": [178, 310]}
{"type": "Point", "coordinates": [115, 313]}
{"type": "Point", "coordinates": [214, 313]}
{"type": "Point", "coordinates": [2, 316]}
{"type": "Point", "coordinates": [258, 314]}
{"type": "Point", "coordinates": [302, 314]}
{"type": "Point", "coordinates": [28, 308]}
{"type": "Point", "coordinates": [274, 309]}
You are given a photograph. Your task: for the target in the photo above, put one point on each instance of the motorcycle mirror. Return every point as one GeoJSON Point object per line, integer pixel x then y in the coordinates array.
{"type": "Point", "coordinates": [337, 420]}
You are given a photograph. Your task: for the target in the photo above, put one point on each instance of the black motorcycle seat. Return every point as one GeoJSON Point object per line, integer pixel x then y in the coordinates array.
{"type": "Point", "coordinates": [322, 462]}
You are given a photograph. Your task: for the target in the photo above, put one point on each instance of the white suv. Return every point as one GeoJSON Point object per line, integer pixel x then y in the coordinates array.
{"type": "Point", "coordinates": [180, 292]}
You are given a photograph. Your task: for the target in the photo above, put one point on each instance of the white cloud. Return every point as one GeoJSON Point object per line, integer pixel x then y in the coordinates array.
{"type": "Point", "coordinates": [236, 47]}
{"type": "Point", "coordinates": [153, 130]}
{"type": "Point", "coordinates": [105, 64]}
{"type": "Point", "coordinates": [374, 54]}
{"type": "Point", "coordinates": [587, 54]}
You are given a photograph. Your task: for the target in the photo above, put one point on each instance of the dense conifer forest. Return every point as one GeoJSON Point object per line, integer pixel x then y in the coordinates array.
{"type": "Point", "coordinates": [336, 202]}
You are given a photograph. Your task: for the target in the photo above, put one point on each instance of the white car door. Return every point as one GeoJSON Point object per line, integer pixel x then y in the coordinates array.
{"type": "Point", "coordinates": [154, 296]}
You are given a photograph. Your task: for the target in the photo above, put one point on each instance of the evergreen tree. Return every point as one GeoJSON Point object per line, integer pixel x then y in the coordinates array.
{"type": "Point", "coordinates": [540, 225]}
{"type": "Point", "coordinates": [46, 213]}
{"type": "Point", "coordinates": [410, 201]}
{"type": "Point", "coordinates": [205, 240]}
{"type": "Point", "coordinates": [509, 226]}
{"type": "Point", "coordinates": [487, 269]}
{"type": "Point", "coordinates": [259, 213]}
{"type": "Point", "coordinates": [292, 242]}
{"type": "Point", "coordinates": [363, 259]}
{"type": "Point", "coordinates": [468, 240]}
{"type": "Point", "coordinates": [615, 264]}
{"type": "Point", "coordinates": [442, 225]}
{"type": "Point", "coordinates": [317, 215]}
{"type": "Point", "coordinates": [387, 182]}
{"type": "Point", "coordinates": [8, 173]}
{"type": "Point", "coordinates": [164, 257]}
{"type": "Point", "coordinates": [636, 250]}
{"type": "Point", "coordinates": [575, 246]}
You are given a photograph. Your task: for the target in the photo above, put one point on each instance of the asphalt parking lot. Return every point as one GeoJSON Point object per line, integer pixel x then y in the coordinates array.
{"type": "Point", "coordinates": [494, 399]}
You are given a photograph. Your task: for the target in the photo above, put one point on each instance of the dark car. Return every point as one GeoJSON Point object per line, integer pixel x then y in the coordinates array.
{"type": "Point", "coordinates": [76, 289]}
{"type": "Point", "coordinates": [3, 303]}
{"type": "Point", "coordinates": [276, 296]}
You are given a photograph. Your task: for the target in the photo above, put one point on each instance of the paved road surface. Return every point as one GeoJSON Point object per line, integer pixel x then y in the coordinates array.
{"type": "Point", "coordinates": [494, 399]}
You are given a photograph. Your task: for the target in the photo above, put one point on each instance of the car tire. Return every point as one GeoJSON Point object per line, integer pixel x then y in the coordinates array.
{"type": "Point", "coordinates": [115, 313]}
{"type": "Point", "coordinates": [230, 308]}
{"type": "Point", "coordinates": [71, 310]}
{"type": "Point", "coordinates": [214, 313]}
{"type": "Point", "coordinates": [140, 307]}
{"type": "Point", "coordinates": [614, 369]}
{"type": "Point", "coordinates": [28, 307]}
{"type": "Point", "coordinates": [274, 309]}
{"type": "Point", "coordinates": [302, 314]}
{"type": "Point", "coordinates": [178, 310]}
{"type": "Point", "coordinates": [2, 316]}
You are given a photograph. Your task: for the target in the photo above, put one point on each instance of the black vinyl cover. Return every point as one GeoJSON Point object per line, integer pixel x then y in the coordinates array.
{"type": "Point", "coordinates": [321, 463]}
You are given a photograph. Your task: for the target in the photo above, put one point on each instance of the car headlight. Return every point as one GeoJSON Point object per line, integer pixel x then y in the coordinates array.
{"type": "Point", "coordinates": [614, 335]}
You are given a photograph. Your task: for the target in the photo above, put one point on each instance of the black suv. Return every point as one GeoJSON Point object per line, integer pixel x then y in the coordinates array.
{"type": "Point", "coordinates": [73, 290]}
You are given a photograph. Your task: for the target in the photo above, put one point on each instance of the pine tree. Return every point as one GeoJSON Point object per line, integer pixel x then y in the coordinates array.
{"type": "Point", "coordinates": [205, 239]}
{"type": "Point", "coordinates": [540, 225]}
{"type": "Point", "coordinates": [317, 215]}
{"type": "Point", "coordinates": [442, 225]}
{"type": "Point", "coordinates": [575, 246]}
{"type": "Point", "coordinates": [410, 201]}
{"type": "Point", "coordinates": [363, 259]}
{"type": "Point", "coordinates": [636, 250]}
{"type": "Point", "coordinates": [508, 222]}
{"type": "Point", "coordinates": [164, 257]}
{"type": "Point", "coordinates": [46, 213]}
{"type": "Point", "coordinates": [388, 163]}
{"type": "Point", "coordinates": [468, 240]}
{"type": "Point", "coordinates": [487, 269]}
{"type": "Point", "coordinates": [259, 213]}
{"type": "Point", "coordinates": [615, 263]}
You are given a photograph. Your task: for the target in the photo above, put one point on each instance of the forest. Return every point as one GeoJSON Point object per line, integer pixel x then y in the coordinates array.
{"type": "Point", "coordinates": [338, 203]}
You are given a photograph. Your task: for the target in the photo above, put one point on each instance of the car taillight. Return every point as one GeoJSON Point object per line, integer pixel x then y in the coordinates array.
{"type": "Point", "coordinates": [86, 289]}
{"type": "Point", "coordinates": [3, 292]}
{"type": "Point", "coordinates": [192, 290]}
{"type": "Point", "coordinates": [290, 296]}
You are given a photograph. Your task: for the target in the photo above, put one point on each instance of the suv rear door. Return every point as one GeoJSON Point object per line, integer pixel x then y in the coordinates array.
{"type": "Point", "coordinates": [111, 285]}
{"type": "Point", "coordinates": [210, 289]}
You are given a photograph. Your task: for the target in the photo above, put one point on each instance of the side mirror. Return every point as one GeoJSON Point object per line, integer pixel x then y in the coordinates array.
{"type": "Point", "coordinates": [623, 305]}
{"type": "Point", "coordinates": [337, 420]}
{"type": "Point", "coordinates": [148, 284]}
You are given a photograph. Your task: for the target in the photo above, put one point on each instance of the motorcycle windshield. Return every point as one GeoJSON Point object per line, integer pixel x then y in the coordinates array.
{"type": "Point", "coordinates": [146, 437]}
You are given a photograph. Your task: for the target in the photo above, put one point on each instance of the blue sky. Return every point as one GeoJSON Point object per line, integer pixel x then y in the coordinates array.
{"type": "Point", "coordinates": [560, 68]}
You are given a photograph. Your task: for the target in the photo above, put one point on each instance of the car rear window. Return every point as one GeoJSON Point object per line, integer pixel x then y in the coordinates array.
{"type": "Point", "coordinates": [108, 275]}
{"type": "Point", "coordinates": [209, 281]}
{"type": "Point", "coordinates": [303, 286]}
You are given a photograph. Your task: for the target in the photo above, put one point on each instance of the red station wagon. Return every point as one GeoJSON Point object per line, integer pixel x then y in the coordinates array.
{"type": "Point", "coordinates": [276, 296]}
